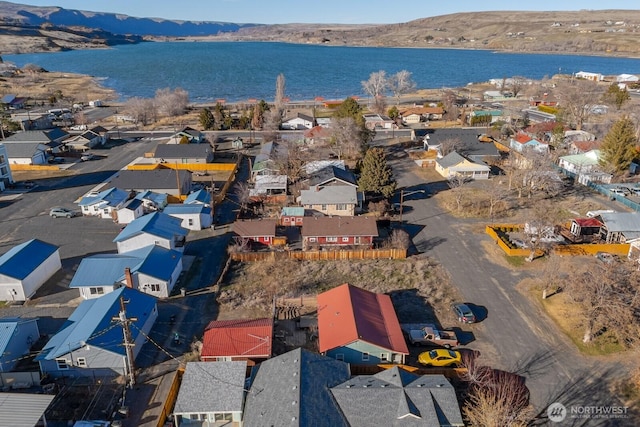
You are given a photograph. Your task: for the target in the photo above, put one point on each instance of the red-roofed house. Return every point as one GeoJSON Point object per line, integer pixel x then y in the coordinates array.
{"type": "Point", "coordinates": [237, 340]}
{"type": "Point", "coordinates": [585, 230]}
{"type": "Point", "coordinates": [580, 147]}
{"type": "Point", "coordinates": [523, 142]}
{"type": "Point", "coordinates": [359, 327]}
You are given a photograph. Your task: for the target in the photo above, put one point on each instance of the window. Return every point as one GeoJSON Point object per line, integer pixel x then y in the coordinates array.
{"type": "Point", "coordinates": [82, 362]}
{"type": "Point", "coordinates": [96, 208]}
{"type": "Point", "coordinates": [106, 211]}
{"type": "Point", "coordinates": [190, 221]}
{"type": "Point", "coordinates": [345, 239]}
{"type": "Point", "coordinates": [4, 171]}
{"type": "Point", "coordinates": [332, 239]}
{"type": "Point", "coordinates": [62, 364]}
{"type": "Point", "coordinates": [223, 417]}
{"type": "Point", "coordinates": [2, 159]}
{"type": "Point", "coordinates": [365, 356]}
{"type": "Point", "coordinates": [298, 219]}
{"type": "Point", "coordinates": [323, 207]}
{"type": "Point", "coordinates": [154, 287]}
{"type": "Point", "coordinates": [384, 357]}
{"type": "Point", "coordinates": [96, 291]}
{"type": "Point", "coordinates": [286, 219]}
{"type": "Point", "coordinates": [341, 207]}
{"type": "Point", "coordinates": [312, 239]}
{"type": "Point", "coordinates": [340, 356]}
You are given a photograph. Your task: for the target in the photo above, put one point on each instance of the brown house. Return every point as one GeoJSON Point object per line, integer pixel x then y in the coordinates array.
{"type": "Point", "coordinates": [261, 231]}
{"type": "Point", "coordinates": [338, 231]}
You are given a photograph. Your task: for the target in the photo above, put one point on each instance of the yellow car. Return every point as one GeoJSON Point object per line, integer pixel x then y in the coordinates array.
{"type": "Point", "coordinates": [440, 357]}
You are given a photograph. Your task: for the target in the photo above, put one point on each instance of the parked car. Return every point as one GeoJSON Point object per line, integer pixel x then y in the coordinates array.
{"type": "Point", "coordinates": [463, 313]}
{"type": "Point", "coordinates": [56, 160]}
{"type": "Point", "coordinates": [440, 358]}
{"type": "Point", "coordinates": [429, 335]}
{"type": "Point", "coordinates": [618, 191]}
{"type": "Point", "coordinates": [60, 212]}
{"type": "Point", "coordinates": [87, 156]}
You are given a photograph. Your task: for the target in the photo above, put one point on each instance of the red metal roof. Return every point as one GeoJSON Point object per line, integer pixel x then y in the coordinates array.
{"type": "Point", "coordinates": [347, 314]}
{"type": "Point", "coordinates": [588, 222]}
{"type": "Point", "coordinates": [238, 338]}
{"type": "Point", "coordinates": [523, 138]}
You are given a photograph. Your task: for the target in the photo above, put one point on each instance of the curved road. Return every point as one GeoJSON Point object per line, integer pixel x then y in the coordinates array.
{"type": "Point", "coordinates": [525, 340]}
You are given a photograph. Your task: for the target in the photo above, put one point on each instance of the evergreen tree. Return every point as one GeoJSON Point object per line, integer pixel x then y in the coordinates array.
{"type": "Point", "coordinates": [619, 146]}
{"type": "Point", "coordinates": [376, 176]}
{"type": "Point", "coordinates": [349, 108]}
{"type": "Point", "coordinates": [616, 96]}
{"type": "Point", "coordinates": [206, 119]}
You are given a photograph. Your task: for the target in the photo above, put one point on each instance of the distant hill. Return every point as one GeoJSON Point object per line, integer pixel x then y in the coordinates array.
{"type": "Point", "coordinates": [598, 32]}
{"type": "Point", "coordinates": [114, 23]}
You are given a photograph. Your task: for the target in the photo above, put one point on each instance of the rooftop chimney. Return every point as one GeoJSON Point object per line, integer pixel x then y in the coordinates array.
{"type": "Point", "coordinates": [128, 277]}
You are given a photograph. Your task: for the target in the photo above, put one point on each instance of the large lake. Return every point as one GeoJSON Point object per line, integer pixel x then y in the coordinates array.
{"type": "Point", "coordinates": [238, 71]}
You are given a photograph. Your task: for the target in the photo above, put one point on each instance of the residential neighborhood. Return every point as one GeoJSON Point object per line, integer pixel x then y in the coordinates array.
{"type": "Point", "coordinates": [178, 276]}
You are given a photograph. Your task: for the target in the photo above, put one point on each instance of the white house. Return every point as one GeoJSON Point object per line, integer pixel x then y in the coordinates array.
{"type": "Point", "coordinates": [580, 163]}
{"type": "Point", "coordinates": [130, 210]}
{"type": "Point", "coordinates": [595, 77]}
{"type": "Point", "coordinates": [89, 344]}
{"type": "Point", "coordinates": [453, 164]}
{"type": "Point", "coordinates": [152, 201]}
{"type": "Point", "coordinates": [26, 267]}
{"type": "Point", "coordinates": [6, 178]}
{"type": "Point", "coordinates": [627, 78]}
{"type": "Point", "coordinates": [17, 336]}
{"type": "Point", "coordinates": [152, 229]}
{"type": "Point", "coordinates": [299, 122]}
{"type": "Point", "coordinates": [104, 204]}
{"type": "Point", "coordinates": [194, 216]}
{"type": "Point", "coordinates": [153, 270]}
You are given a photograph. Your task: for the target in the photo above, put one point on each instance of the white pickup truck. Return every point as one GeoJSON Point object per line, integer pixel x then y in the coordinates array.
{"type": "Point", "coordinates": [428, 334]}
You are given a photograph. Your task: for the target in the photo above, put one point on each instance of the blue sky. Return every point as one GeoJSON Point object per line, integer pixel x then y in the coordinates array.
{"type": "Point", "coordinates": [326, 11]}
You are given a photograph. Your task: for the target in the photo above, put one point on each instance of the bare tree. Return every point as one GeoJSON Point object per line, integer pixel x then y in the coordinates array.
{"type": "Point", "coordinates": [345, 138]}
{"type": "Point", "coordinates": [541, 226]}
{"type": "Point", "coordinates": [449, 105]}
{"type": "Point", "coordinates": [449, 145]}
{"type": "Point", "coordinates": [456, 184]}
{"type": "Point", "coordinates": [379, 104]}
{"type": "Point", "coordinates": [516, 84]}
{"type": "Point", "coordinates": [501, 399]}
{"type": "Point", "coordinates": [171, 103]}
{"type": "Point", "coordinates": [576, 97]}
{"type": "Point", "coordinates": [608, 294]}
{"type": "Point", "coordinates": [143, 110]}
{"type": "Point", "coordinates": [376, 85]}
{"type": "Point", "coordinates": [399, 239]}
{"type": "Point", "coordinates": [401, 83]}
{"type": "Point", "coordinates": [496, 194]}
{"type": "Point", "coordinates": [242, 192]}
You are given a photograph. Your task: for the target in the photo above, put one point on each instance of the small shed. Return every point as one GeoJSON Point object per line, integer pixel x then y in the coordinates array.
{"type": "Point", "coordinates": [292, 216]}
{"type": "Point", "coordinates": [194, 216]}
{"type": "Point", "coordinates": [132, 209]}
{"type": "Point", "coordinates": [17, 336]}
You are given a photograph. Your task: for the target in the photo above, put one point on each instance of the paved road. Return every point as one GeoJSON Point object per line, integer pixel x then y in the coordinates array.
{"type": "Point", "coordinates": [524, 339]}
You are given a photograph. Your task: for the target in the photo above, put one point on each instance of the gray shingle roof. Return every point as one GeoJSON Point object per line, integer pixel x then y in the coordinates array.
{"type": "Point", "coordinates": [469, 145]}
{"type": "Point", "coordinates": [293, 390]}
{"type": "Point", "coordinates": [450, 160]}
{"type": "Point", "coordinates": [395, 397]}
{"type": "Point", "coordinates": [329, 173]}
{"type": "Point", "coordinates": [150, 179]}
{"type": "Point", "coordinates": [330, 195]}
{"type": "Point", "coordinates": [22, 150]}
{"type": "Point", "coordinates": [212, 387]}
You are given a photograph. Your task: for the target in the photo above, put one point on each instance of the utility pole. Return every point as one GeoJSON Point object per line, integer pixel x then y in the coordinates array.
{"type": "Point", "coordinates": [401, 203]}
{"type": "Point", "coordinates": [128, 342]}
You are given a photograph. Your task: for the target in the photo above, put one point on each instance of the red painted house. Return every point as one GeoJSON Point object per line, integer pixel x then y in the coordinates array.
{"type": "Point", "coordinates": [237, 340]}
{"type": "Point", "coordinates": [338, 231]}
{"type": "Point", "coordinates": [292, 216]}
{"type": "Point", "coordinates": [260, 231]}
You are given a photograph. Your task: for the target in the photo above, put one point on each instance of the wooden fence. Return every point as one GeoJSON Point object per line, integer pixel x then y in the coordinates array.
{"type": "Point", "coordinates": [19, 167]}
{"type": "Point", "coordinates": [497, 231]}
{"type": "Point", "coordinates": [172, 396]}
{"type": "Point", "coordinates": [321, 255]}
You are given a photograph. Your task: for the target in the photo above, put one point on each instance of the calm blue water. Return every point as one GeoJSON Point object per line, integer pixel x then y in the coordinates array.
{"type": "Point", "coordinates": [237, 71]}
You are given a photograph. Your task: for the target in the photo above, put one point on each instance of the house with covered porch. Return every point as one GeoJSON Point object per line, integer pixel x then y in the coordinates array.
{"type": "Point", "coordinates": [453, 165]}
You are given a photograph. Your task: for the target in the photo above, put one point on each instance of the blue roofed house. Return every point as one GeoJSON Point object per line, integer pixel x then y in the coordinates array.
{"type": "Point", "coordinates": [152, 201]}
{"type": "Point", "coordinates": [153, 270]}
{"type": "Point", "coordinates": [199, 196]}
{"type": "Point", "coordinates": [17, 336]}
{"type": "Point", "coordinates": [132, 209]}
{"type": "Point", "coordinates": [293, 389]}
{"type": "Point", "coordinates": [194, 216]}
{"type": "Point", "coordinates": [152, 229]}
{"type": "Point", "coordinates": [105, 204]}
{"type": "Point", "coordinates": [90, 343]}
{"type": "Point", "coordinates": [26, 267]}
